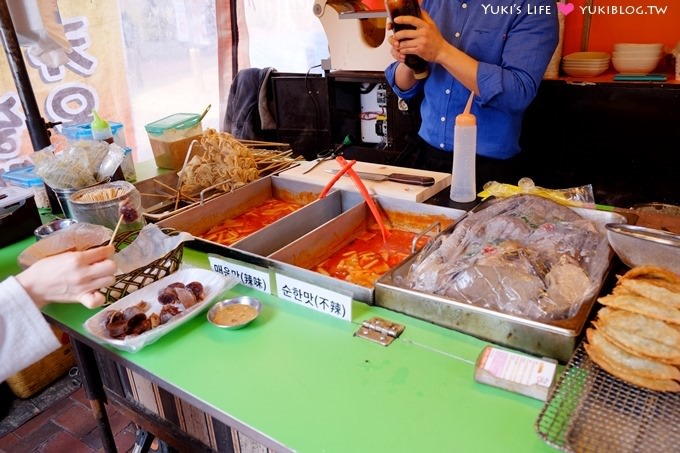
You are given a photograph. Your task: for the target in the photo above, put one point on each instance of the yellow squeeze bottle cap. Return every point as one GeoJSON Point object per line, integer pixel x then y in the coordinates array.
{"type": "Point", "coordinates": [466, 119]}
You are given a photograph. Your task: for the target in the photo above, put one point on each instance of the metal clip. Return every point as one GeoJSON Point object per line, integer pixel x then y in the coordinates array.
{"type": "Point", "coordinates": [379, 330]}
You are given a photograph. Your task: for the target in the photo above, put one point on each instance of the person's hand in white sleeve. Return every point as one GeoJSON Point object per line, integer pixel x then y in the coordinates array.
{"type": "Point", "coordinates": [70, 276]}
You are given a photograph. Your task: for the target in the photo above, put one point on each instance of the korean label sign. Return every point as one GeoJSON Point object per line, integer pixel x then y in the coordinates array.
{"type": "Point", "coordinates": [314, 297]}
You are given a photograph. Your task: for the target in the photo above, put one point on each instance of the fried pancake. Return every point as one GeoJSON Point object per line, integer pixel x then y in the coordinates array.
{"type": "Point", "coordinates": [625, 300]}
{"type": "Point", "coordinates": [631, 363]}
{"type": "Point", "coordinates": [640, 346]}
{"type": "Point", "coordinates": [663, 385]}
{"type": "Point", "coordinates": [641, 325]}
{"type": "Point", "coordinates": [656, 290]}
{"type": "Point", "coordinates": [624, 371]}
{"type": "Point", "coordinates": [656, 283]}
{"type": "Point", "coordinates": [652, 272]}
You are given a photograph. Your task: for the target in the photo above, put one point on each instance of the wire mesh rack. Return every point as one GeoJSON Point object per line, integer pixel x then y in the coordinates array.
{"type": "Point", "coordinates": [592, 411]}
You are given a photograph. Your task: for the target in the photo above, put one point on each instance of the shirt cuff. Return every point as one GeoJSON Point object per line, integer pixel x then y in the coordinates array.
{"type": "Point", "coordinates": [390, 76]}
{"type": "Point", "coordinates": [489, 82]}
{"type": "Point", "coordinates": [28, 336]}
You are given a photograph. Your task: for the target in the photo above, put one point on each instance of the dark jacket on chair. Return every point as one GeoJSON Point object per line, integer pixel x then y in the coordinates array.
{"type": "Point", "coordinates": [248, 114]}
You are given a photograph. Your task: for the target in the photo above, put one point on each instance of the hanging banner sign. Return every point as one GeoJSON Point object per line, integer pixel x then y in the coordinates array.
{"type": "Point", "coordinates": [91, 76]}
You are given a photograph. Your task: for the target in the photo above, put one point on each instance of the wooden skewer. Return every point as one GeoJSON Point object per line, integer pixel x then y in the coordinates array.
{"type": "Point", "coordinates": [160, 195]}
{"type": "Point", "coordinates": [115, 230]}
{"type": "Point", "coordinates": [166, 186]}
{"type": "Point", "coordinates": [261, 142]}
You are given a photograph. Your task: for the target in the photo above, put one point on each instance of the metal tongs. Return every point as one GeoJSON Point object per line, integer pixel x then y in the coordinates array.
{"type": "Point", "coordinates": [346, 167]}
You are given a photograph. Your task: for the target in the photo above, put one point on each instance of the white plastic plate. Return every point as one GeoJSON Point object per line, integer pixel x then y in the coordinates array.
{"type": "Point", "coordinates": [213, 285]}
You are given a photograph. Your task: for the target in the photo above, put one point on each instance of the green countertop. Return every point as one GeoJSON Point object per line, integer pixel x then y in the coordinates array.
{"type": "Point", "coordinates": [302, 379]}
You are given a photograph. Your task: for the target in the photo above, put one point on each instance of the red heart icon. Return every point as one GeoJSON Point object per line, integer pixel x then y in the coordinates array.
{"type": "Point", "coordinates": [565, 8]}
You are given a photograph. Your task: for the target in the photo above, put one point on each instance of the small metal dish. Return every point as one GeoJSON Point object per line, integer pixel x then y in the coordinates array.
{"type": "Point", "coordinates": [52, 227]}
{"type": "Point", "coordinates": [641, 246]}
{"type": "Point", "coordinates": [235, 313]}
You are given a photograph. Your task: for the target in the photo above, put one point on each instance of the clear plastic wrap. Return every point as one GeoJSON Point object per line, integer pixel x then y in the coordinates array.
{"type": "Point", "coordinates": [150, 245]}
{"type": "Point", "coordinates": [80, 236]}
{"type": "Point", "coordinates": [75, 167]}
{"type": "Point", "coordinates": [522, 255]}
{"type": "Point", "coordinates": [581, 196]}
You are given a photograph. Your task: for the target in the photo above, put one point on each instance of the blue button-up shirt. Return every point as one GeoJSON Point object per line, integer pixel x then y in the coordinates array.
{"type": "Point", "coordinates": [513, 40]}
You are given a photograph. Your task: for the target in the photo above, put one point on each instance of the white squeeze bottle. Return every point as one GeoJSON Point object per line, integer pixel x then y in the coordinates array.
{"type": "Point", "coordinates": [463, 188]}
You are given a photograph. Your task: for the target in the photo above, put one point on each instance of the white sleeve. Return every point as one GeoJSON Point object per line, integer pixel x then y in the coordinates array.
{"type": "Point", "coordinates": [25, 335]}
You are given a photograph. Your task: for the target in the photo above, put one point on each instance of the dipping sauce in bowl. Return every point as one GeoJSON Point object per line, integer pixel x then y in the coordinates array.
{"type": "Point", "coordinates": [234, 313]}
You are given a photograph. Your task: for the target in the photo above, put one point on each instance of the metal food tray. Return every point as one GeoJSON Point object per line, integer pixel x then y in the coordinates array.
{"type": "Point", "coordinates": [297, 258]}
{"type": "Point", "coordinates": [158, 194]}
{"type": "Point", "coordinates": [198, 219]}
{"type": "Point", "coordinates": [554, 339]}
{"type": "Point", "coordinates": [589, 410]}
{"type": "Point", "coordinates": [158, 199]}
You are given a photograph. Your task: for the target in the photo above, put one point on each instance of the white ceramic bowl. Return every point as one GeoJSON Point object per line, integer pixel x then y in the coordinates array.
{"type": "Point", "coordinates": [657, 46]}
{"type": "Point", "coordinates": [584, 72]}
{"type": "Point", "coordinates": [639, 246]}
{"type": "Point", "coordinates": [636, 53]}
{"type": "Point", "coordinates": [585, 63]}
{"type": "Point", "coordinates": [601, 66]}
{"type": "Point", "coordinates": [586, 56]}
{"type": "Point", "coordinates": [635, 65]}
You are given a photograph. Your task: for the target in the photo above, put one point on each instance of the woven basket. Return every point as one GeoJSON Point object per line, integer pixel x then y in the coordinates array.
{"type": "Point", "coordinates": [142, 276]}
{"type": "Point", "coordinates": [42, 373]}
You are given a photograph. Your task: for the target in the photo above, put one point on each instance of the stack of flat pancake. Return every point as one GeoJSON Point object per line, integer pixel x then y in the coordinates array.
{"type": "Point", "coordinates": [636, 335]}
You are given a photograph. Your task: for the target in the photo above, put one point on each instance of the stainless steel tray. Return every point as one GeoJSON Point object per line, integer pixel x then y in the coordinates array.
{"type": "Point", "coordinates": [158, 197]}
{"type": "Point", "coordinates": [555, 339]}
{"type": "Point", "coordinates": [590, 410]}
{"type": "Point", "coordinates": [198, 219]}
{"type": "Point", "coordinates": [297, 258]}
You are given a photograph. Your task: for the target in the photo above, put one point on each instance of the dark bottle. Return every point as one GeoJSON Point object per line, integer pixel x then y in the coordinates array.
{"type": "Point", "coordinates": [396, 8]}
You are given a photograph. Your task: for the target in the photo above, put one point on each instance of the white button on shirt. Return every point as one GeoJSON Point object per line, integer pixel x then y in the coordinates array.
{"type": "Point", "coordinates": [457, 34]}
{"type": "Point", "coordinates": [464, 5]}
{"type": "Point", "coordinates": [443, 119]}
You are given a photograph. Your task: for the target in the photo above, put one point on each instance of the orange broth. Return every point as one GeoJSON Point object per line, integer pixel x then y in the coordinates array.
{"type": "Point", "coordinates": [367, 257]}
{"type": "Point", "coordinates": [236, 228]}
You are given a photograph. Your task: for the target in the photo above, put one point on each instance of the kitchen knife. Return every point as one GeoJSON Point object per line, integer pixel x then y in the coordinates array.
{"type": "Point", "coordinates": [395, 177]}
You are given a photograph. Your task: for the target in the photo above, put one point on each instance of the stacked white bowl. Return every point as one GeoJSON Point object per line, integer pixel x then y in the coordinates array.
{"type": "Point", "coordinates": [631, 58]}
{"type": "Point", "coordinates": [585, 64]}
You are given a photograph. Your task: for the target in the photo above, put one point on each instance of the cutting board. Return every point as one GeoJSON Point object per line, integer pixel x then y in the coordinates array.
{"type": "Point", "coordinates": [408, 192]}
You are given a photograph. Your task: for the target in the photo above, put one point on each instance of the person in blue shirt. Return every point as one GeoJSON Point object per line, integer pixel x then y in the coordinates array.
{"type": "Point", "coordinates": [498, 50]}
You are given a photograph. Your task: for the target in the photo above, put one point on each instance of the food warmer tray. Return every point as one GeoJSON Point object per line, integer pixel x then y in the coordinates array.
{"type": "Point", "coordinates": [590, 410]}
{"type": "Point", "coordinates": [314, 212]}
{"type": "Point", "coordinates": [555, 339]}
{"type": "Point", "coordinates": [297, 258]}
